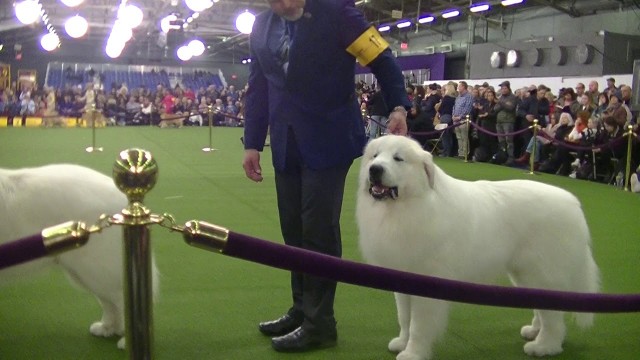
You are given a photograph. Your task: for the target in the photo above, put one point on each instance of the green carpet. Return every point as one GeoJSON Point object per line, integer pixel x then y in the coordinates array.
{"type": "Point", "coordinates": [210, 304]}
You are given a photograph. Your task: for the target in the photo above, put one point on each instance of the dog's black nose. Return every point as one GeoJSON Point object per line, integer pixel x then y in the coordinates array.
{"type": "Point", "coordinates": [375, 173]}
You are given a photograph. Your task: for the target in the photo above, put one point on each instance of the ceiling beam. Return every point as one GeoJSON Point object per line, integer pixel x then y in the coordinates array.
{"type": "Point", "coordinates": [571, 11]}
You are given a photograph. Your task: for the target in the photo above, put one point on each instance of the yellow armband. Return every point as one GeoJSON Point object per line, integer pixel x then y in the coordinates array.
{"type": "Point", "coordinates": [368, 46]}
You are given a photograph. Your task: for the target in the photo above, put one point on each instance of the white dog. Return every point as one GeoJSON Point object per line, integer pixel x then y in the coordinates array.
{"type": "Point", "coordinates": [414, 217]}
{"type": "Point", "coordinates": [36, 198]}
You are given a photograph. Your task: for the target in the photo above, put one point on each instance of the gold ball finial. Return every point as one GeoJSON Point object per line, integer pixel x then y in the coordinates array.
{"type": "Point", "coordinates": [135, 172]}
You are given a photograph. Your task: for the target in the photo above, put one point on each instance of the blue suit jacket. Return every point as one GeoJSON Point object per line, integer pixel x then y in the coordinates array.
{"type": "Point", "coordinates": [316, 97]}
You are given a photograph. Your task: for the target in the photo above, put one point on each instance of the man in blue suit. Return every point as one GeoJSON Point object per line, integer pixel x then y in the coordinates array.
{"type": "Point", "coordinates": [302, 89]}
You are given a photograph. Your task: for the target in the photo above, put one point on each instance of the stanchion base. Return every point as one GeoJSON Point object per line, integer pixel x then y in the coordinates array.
{"type": "Point", "coordinates": [208, 149]}
{"type": "Point", "coordinates": [93, 149]}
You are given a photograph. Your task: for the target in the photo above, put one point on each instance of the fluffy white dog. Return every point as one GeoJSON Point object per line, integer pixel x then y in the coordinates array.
{"type": "Point", "coordinates": [35, 198]}
{"type": "Point", "coordinates": [414, 217]}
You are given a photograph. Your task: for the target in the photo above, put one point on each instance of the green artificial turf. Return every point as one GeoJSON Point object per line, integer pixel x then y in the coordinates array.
{"type": "Point", "coordinates": [210, 304]}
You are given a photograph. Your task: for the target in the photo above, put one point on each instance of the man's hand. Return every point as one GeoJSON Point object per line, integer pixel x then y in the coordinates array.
{"type": "Point", "coordinates": [251, 165]}
{"type": "Point", "coordinates": [397, 123]}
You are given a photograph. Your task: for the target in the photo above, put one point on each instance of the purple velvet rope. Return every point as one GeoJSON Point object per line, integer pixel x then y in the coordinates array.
{"type": "Point", "coordinates": [305, 261]}
{"type": "Point", "coordinates": [22, 250]}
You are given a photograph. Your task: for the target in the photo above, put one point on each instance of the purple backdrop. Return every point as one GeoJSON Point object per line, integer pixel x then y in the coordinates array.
{"type": "Point", "coordinates": [434, 62]}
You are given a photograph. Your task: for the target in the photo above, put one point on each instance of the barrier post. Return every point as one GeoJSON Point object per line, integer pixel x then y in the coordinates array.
{"type": "Point", "coordinates": [135, 173]}
{"type": "Point", "coordinates": [534, 151]}
{"type": "Point", "coordinates": [466, 130]}
{"type": "Point", "coordinates": [93, 147]}
{"type": "Point", "coordinates": [210, 115]}
{"type": "Point", "coordinates": [627, 175]}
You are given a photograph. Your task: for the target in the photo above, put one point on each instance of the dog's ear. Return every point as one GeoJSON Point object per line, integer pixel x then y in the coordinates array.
{"type": "Point", "coordinates": [429, 168]}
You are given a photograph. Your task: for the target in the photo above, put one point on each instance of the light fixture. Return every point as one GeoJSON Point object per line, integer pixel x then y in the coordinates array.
{"type": "Point", "coordinates": [130, 15]}
{"type": "Point", "coordinates": [76, 26]}
{"type": "Point", "coordinates": [50, 41]}
{"type": "Point", "coordinates": [184, 53]}
{"type": "Point", "coordinates": [511, 2]}
{"type": "Point", "coordinates": [165, 23]}
{"type": "Point", "coordinates": [72, 3]}
{"type": "Point", "coordinates": [450, 13]}
{"type": "Point", "coordinates": [479, 7]}
{"type": "Point", "coordinates": [244, 22]}
{"type": "Point", "coordinates": [426, 19]}
{"type": "Point", "coordinates": [28, 11]}
{"type": "Point", "coordinates": [196, 46]}
{"type": "Point", "coordinates": [403, 24]}
{"type": "Point", "coordinates": [384, 28]}
{"type": "Point", "coordinates": [198, 5]}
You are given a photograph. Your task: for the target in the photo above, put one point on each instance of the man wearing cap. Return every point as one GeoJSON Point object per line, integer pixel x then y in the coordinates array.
{"type": "Point", "coordinates": [505, 120]}
{"type": "Point", "coordinates": [299, 49]}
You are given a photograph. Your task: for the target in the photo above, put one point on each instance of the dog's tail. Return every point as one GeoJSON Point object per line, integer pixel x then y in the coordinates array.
{"type": "Point", "coordinates": [590, 284]}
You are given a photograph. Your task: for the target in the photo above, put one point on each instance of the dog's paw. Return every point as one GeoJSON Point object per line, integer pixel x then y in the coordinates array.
{"type": "Point", "coordinates": [121, 343]}
{"type": "Point", "coordinates": [528, 332]}
{"type": "Point", "coordinates": [397, 345]}
{"type": "Point", "coordinates": [98, 328]}
{"type": "Point", "coordinates": [409, 356]}
{"type": "Point", "coordinates": [534, 348]}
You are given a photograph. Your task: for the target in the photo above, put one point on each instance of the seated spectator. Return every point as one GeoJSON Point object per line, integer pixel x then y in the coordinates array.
{"type": "Point", "coordinates": [559, 159]}
{"type": "Point", "coordinates": [27, 108]}
{"type": "Point", "coordinates": [617, 109]}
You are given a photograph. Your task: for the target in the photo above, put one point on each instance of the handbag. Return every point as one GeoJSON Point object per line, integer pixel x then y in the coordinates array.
{"type": "Point", "coordinates": [436, 119]}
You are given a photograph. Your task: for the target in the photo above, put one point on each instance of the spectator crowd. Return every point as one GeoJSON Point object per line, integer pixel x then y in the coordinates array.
{"type": "Point", "coordinates": [581, 129]}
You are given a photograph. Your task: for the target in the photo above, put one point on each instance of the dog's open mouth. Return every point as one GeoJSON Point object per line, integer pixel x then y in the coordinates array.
{"type": "Point", "coordinates": [380, 192]}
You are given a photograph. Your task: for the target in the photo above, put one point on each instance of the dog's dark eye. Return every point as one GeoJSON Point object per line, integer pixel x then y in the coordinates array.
{"type": "Point", "coordinates": [397, 158]}
{"type": "Point", "coordinates": [375, 155]}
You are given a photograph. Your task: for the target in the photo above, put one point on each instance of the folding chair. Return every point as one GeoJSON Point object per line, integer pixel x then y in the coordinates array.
{"type": "Point", "coordinates": [433, 143]}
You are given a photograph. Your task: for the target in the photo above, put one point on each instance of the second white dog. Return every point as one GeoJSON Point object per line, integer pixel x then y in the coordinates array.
{"type": "Point", "coordinates": [414, 217]}
{"type": "Point", "coordinates": [35, 198]}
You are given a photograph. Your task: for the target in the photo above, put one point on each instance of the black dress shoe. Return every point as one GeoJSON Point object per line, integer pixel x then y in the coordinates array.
{"type": "Point", "coordinates": [281, 326]}
{"type": "Point", "coordinates": [301, 340]}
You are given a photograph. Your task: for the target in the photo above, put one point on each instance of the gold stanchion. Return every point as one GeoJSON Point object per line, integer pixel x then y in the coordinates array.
{"type": "Point", "coordinates": [466, 130]}
{"type": "Point", "coordinates": [210, 113]}
{"type": "Point", "coordinates": [93, 147]}
{"type": "Point", "coordinates": [135, 173]}
{"type": "Point", "coordinates": [627, 173]}
{"type": "Point", "coordinates": [534, 151]}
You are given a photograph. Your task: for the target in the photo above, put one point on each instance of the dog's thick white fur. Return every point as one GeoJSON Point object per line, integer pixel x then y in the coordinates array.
{"type": "Point", "coordinates": [424, 221]}
{"type": "Point", "coordinates": [35, 198]}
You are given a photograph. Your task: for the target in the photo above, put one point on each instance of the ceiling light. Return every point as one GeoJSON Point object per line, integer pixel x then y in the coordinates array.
{"type": "Point", "coordinates": [28, 11]}
{"type": "Point", "coordinates": [426, 19]}
{"type": "Point", "coordinates": [196, 46]}
{"type": "Point", "coordinates": [244, 22]}
{"type": "Point", "coordinates": [72, 3]}
{"type": "Point", "coordinates": [384, 28]}
{"type": "Point", "coordinates": [450, 14]}
{"type": "Point", "coordinates": [404, 24]}
{"type": "Point", "coordinates": [184, 53]}
{"type": "Point", "coordinates": [76, 26]}
{"type": "Point", "coordinates": [511, 2]}
{"type": "Point", "coordinates": [198, 5]}
{"type": "Point", "coordinates": [131, 15]}
{"type": "Point", "coordinates": [479, 7]}
{"type": "Point", "coordinates": [49, 41]}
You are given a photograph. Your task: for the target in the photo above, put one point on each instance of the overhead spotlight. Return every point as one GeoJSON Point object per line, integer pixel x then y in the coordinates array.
{"type": "Point", "coordinates": [196, 46]}
{"type": "Point", "coordinates": [479, 7]}
{"type": "Point", "coordinates": [403, 24]}
{"type": "Point", "coordinates": [49, 41]}
{"type": "Point", "coordinates": [198, 5]}
{"type": "Point", "coordinates": [131, 15]}
{"type": "Point", "coordinates": [28, 11]}
{"type": "Point", "coordinates": [76, 26]}
{"type": "Point", "coordinates": [511, 2]}
{"type": "Point", "coordinates": [72, 3]}
{"type": "Point", "coordinates": [184, 53]}
{"type": "Point", "coordinates": [450, 13]}
{"type": "Point", "coordinates": [244, 22]}
{"type": "Point", "coordinates": [426, 19]}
